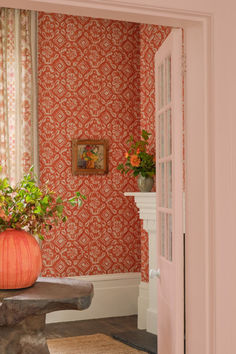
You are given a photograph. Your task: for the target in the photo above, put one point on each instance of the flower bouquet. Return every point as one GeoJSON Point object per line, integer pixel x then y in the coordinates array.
{"type": "Point", "coordinates": [138, 160]}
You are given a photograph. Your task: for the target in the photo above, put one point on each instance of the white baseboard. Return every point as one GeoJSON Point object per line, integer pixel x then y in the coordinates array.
{"type": "Point", "coordinates": [143, 299]}
{"type": "Point", "coordinates": [114, 295]}
{"type": "Point", "coordinates": [152, 321]}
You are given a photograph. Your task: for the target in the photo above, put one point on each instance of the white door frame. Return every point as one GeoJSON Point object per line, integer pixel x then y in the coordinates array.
{"type": "Point", "coordinates": [198, 143]}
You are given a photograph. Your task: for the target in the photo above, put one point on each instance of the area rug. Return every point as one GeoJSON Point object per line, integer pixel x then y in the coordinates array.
{"type": "Point", "coordinates": [91, 344]}
{"type": "Point", "coordinates": [139, 339]}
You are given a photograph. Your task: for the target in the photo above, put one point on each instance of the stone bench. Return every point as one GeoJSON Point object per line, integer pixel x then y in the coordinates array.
{"type": "Point", "coordinates": [23, 312]}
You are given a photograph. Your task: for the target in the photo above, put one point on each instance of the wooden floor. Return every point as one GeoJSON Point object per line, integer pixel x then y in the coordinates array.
{"type": "Point", "coordinates": [121, 328]}
{"type": "Point", "coordinates": [107, 326]}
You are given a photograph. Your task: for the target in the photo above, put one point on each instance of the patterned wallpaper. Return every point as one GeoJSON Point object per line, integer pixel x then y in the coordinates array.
{"type": "Point", "coordinates": [151, 38]}
{"type": "Point", "coordinates": [96, 80]}
{"type": "Point", "coordinates": [89, 87]}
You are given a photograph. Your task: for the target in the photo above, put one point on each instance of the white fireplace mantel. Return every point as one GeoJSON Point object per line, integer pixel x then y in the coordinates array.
{"type": "Point", "coordinates": [146, 203]}
{"type": "Point", "coordinates": [147, 315]}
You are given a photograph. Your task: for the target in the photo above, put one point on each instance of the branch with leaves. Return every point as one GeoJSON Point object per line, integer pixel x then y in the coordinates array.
{"type": "Point", "coordinates": [30, 207]}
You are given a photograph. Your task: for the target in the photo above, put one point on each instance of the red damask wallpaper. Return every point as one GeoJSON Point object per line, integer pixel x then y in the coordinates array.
{"type": "Point", "coordinates": [89, 87]}
{"type": "Point", "coordinates": [96, 80]}
{"type": "Point", "coordinates": [151, 38]}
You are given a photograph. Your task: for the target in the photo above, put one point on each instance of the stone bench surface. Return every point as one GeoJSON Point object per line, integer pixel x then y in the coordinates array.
{"type": "Point", "coordinates": [50, 289]}
{"type": "Point", "coordinates": [46, 295]}
{"type": "Point", "coordinates": [23, 312]}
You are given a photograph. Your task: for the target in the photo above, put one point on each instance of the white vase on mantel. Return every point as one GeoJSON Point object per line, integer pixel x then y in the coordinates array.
{"type": "Point", "coordinates": [145, 184]}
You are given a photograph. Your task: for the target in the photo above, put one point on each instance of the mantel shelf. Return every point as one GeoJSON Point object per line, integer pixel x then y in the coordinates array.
{"type": "Point", "coordinates": [140, 194]}
{"type": "Point", "coordinates": [146, 203]}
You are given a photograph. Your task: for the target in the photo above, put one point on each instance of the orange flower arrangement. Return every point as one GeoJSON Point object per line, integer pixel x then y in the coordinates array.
{"type": "Point", "coordinates": [138, 160]}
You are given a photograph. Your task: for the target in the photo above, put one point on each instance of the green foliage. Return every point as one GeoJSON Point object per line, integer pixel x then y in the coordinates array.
{"type": "Point", "coordinates": [30, 207]}
{"type": "Point", "coordinates": [138, 160]}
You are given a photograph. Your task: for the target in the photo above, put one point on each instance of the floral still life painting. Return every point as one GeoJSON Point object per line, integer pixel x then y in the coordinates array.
{"type": "Point", "coordinates": [89, 157]}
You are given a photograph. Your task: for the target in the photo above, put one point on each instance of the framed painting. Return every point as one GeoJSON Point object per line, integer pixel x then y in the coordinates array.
{"type": "Point", "coordinates": [89, 157]}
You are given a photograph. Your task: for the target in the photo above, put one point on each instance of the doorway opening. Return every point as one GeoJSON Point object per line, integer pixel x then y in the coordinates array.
{"type": "Point", "coordinates": [198, 100]}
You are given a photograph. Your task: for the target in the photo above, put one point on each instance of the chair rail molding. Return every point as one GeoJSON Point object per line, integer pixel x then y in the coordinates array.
{"type": "Point", "coordinates": [146, 203]}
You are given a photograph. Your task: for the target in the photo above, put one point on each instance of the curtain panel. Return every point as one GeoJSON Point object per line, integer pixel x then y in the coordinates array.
{"type": "Point", "coordinates": [18, 96]}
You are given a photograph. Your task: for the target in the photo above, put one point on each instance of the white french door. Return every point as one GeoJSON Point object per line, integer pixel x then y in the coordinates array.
{"type": "Point", "coordinates": [169, 128]}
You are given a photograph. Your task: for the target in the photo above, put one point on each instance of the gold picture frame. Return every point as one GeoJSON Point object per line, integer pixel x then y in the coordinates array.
{"type": "Point", "coordinates": [89, 157]}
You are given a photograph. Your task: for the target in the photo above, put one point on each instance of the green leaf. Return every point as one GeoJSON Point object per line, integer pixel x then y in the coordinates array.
{"type": "Point", "coordinates": [38, 210]}
{"type": "Point", "coordinates": [28, 198]}
{"type": "Point", "coordinates": [4, 184]}
{"type": "Point", "coordinates": [59, 208]}
{"type": "Point", "coordinates": [145, 134]}
{"type": "Point", "coordinates": [73, 201]}
{"type": "Point", "coordinates": [59, 200]}
{"type": "Point", "coordinates": [79, 195]}
{"type": "Point", "coordinates": [40, 236]}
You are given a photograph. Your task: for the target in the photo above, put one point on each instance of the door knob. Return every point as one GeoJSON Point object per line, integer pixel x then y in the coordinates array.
{"type": "Point", "coordinates": [154, 273]}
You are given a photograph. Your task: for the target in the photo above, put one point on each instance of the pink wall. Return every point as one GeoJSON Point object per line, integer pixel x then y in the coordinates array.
{"type": "Point", "coordinates": [89, 87]}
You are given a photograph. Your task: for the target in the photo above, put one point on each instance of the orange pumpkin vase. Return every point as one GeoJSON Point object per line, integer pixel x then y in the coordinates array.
{"type": "Point", "coordinates": [20, 259]}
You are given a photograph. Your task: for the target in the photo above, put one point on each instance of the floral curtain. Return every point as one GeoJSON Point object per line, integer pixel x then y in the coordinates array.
{"type": "Point", "coordinates": [18, 116]}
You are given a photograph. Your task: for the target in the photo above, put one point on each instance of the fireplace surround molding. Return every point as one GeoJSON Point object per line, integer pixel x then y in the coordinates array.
{"type": "Point", "coordinates": [147, 304]}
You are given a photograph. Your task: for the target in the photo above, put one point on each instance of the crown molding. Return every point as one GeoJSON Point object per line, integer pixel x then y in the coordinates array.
{"type": "Point", "coordinates": [144, 11]}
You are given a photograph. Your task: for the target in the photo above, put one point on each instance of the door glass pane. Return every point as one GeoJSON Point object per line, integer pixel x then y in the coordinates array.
{"type": "Point", "coordinates": [162, 233]}
{"type": "Point", "coordinates": [169, 184]}
{"type": "Point", "coordinates": [168, 78]}
{"type": "Point", "coordinates": [169, 132]}
{"type": "Point", "coordinates": [169, 236]}
{"type": "Point", "coordinates": [161, 85]}
{"type": "Point", "coordinates": [162, 184]}
{"type": "Point", "coordinates": [162, 135]}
